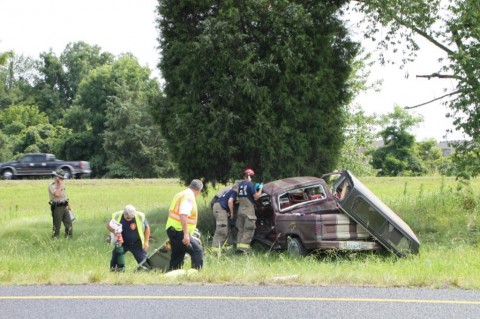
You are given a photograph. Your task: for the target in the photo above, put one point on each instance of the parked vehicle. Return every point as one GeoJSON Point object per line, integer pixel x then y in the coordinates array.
{"type": "Point", "coordinates": [43, 164]}
{"type": "Point", "coordinates": [302, 215]}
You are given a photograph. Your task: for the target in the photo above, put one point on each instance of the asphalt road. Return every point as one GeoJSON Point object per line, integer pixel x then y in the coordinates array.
{"type": "Point", "coordinates": [217, 301]}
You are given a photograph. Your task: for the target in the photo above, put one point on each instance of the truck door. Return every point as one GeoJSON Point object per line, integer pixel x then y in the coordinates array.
{"type": "Point", "coordinates": [25, 165]}
{"type": "Point", "coordinates": [51, 164]}
{"type": "Point", "coordinates": [41, 164]}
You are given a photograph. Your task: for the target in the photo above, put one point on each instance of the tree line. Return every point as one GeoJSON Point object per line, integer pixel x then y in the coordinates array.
{"type": "Point", "coordinates": [85, 104]}
{"type": "Point", "coordinates": [260, 84]}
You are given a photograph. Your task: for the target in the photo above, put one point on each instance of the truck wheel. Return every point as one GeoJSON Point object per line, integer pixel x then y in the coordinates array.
{"type": "Point", "coordinates": [295, 248]}
{"type": "Point", "coordinates": [7, 174]}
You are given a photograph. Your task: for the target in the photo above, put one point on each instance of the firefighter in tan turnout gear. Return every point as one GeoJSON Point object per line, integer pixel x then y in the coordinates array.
{"type": "Point", "coordinates": [246, 219]}
{"type": "Point", "coordinates": [223, 212]}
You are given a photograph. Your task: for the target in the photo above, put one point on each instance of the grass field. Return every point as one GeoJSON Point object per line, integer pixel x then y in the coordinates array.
{"type": "Point", "coordinates": [444, 218]}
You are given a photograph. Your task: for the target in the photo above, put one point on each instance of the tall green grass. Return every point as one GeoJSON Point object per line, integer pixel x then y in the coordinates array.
{"type": "Point", "coordinates": [444, 218]}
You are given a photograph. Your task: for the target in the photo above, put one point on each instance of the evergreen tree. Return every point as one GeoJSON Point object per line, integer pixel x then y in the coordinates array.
{"type": "Point", "coordinates": [253, 83]}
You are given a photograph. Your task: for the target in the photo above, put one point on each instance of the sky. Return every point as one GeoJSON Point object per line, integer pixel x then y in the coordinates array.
{"type": "Point", "coordinates": [30, 27]}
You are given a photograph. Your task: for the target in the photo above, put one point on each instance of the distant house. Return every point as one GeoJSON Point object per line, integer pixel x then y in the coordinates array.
{"type": "Point", "coordinates": [446, 147]}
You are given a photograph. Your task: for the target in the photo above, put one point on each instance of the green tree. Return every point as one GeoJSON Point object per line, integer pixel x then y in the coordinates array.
{"type": "Point", "coordinates": [397, 156]}
{"type": "Point", "coordinates": [466, 160]}
{"type": "Point", "coordinates": [91, 104]}
{"type": "Point", "coordinates": [78, 59]}
{"type": "Point", "coordinates": [430, 155]}
{"type": "Point", "coordinates": [114, 103]}
{"type": "Point", "coordinates": [451, 26]}
{"type": "Point", "coordinates": [5, 148]}
{"type": "Point", "coordinates": [59, 77]}
{"type": "Point", "coordinates": [26, 114]}
{"type": "Point", "coordinates": [29, 130]}
{"type": "Point", "coordinates": [16, 78]}
{"type": "Point", "coordinates": [80, 143]}
{"type": "Point", "coordinates": [50, 86]}
{"type": "Point", "coordinates": [361, 129]}
{"type": "Point", "coordinates": [253, 83]}
{"type": "Point", "coordinates": [360, 136]}
{"type": "Point", "coordinates": [72, 99]}
{"type": "Point", "coordinates": [133, 144]}
{"type": "Point", "coordinates": [4, 57]}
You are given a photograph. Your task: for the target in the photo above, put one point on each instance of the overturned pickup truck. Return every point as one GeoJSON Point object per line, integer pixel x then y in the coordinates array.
{"type": "Point", "coordinates": [302, 215]}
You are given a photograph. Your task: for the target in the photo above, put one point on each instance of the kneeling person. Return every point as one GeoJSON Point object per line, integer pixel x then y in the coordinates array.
{"type": "Point", "coordinates": [135, 230]}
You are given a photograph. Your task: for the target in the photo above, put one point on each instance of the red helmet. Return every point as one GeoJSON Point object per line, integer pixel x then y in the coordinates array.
{"type": "Point", "coordinates": [249, 171]}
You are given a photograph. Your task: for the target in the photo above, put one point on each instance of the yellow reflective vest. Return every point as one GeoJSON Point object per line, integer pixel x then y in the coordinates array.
{"type": "Point", "coordinates": [174, 211]}
{"type": "Point", "coordinates": [139, 220]}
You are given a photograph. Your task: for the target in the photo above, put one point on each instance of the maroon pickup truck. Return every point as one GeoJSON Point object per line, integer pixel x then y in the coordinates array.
{"type": "Point", "coordinates": [43, 164]}
{"type": "Point", "coordinates": [302, 215]}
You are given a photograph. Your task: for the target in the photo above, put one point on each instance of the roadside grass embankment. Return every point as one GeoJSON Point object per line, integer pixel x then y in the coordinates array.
{"type": "Point", "coordinates": [444, 218]}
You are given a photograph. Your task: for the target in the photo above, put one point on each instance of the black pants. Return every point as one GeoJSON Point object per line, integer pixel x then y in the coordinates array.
{"type": "Point", "coordinates": [179, 250]}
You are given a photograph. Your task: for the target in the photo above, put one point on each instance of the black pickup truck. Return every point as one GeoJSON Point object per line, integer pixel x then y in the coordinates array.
{"type": "Point", "coordinates": [43, 164]}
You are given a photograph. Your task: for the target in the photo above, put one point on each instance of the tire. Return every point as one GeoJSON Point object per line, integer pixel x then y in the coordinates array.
{"type": "Point", "coordinates": [295, 248]}
{"type": "Point", "coordinates": [7, 174]}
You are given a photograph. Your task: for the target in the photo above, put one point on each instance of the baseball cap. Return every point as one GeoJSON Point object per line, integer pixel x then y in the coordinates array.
{"type": "Point", "coordinates": [249, 171]}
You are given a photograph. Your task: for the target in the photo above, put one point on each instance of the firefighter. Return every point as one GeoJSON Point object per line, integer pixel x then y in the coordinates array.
{"type": "Point", "coordinates": [223, 212]}
{"type": "Point", "coordinates": [133, 230]}
{"type": "Point", "coordinates": [246, 219]}
{"type": "Point", "coordinates": [181, 223]}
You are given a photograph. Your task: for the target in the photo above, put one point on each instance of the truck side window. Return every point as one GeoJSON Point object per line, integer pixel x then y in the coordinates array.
{"type": "Point", "coordinates": [26, 159]}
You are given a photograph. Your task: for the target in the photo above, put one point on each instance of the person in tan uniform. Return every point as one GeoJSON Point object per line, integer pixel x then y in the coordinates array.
{"type": "Point", "coordinates": [60, 205]}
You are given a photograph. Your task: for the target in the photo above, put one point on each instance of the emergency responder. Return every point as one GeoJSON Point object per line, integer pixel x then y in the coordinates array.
{"type": "Point", "coordinates": [223, 212]}
{"type": "Point", "coordinates": [135, 233]}
{"type": "Point", "coordinates": [60, 205]}
{"type": "Point", "coordinates": [247, 194]}
{"type": "Point", "coordinates": [181, 223]}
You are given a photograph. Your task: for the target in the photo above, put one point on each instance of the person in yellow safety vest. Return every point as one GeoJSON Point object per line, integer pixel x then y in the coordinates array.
{"type": "Point", "coordinates": [135, 232]}
{"type": "Point", "coordinates": [181, 223]}
{"type": "Point", "coordinates": [246, 219]}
